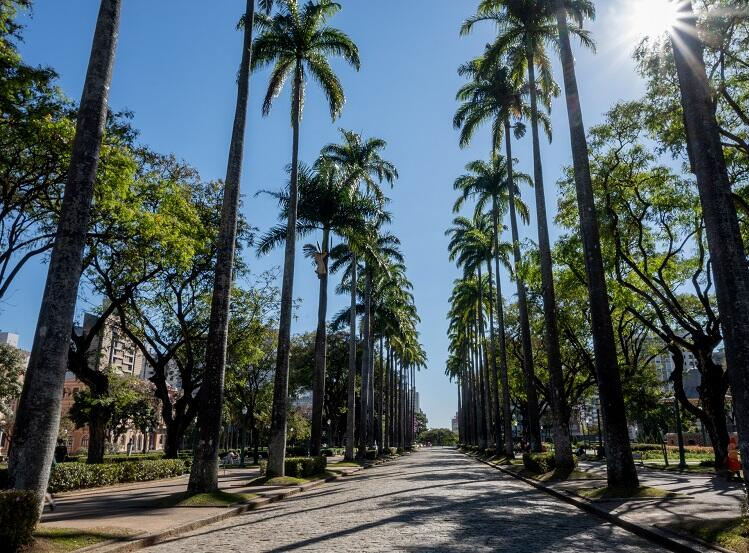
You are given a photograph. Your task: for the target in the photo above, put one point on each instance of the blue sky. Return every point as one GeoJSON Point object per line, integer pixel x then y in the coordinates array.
{"type": "Point", "coordinates": [175, 70]}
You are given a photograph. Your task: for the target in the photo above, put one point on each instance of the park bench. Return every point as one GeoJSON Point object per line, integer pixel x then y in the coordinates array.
{"type": "Point", "coordinates": [638, 456]}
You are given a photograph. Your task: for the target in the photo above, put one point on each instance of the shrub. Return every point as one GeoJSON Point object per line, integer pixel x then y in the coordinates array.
{"type": "Point", "coordinates": [4, 478]}
{"type": "Point", "coordinates": [263, 467]}
{"type": "Point", "coordinates": [19, 511]}
{"type": "Point", "coordinates": [371, 454]}
{"type": "Point", "coordinates": [302, 467]}
{"type": "Point", "coordinates": [74, 476]}
{"type": "Point", "coordinates": [393, 451]}
{"type": "Point", "coordinates": [297, 451]}
{"type": "Point", "coordinates": [539, 463]}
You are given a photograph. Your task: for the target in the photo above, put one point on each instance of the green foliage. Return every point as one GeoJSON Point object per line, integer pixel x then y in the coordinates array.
{"type": "Point", "coordinates": [74, 476]}
{"type": "Point", "coordinates": [438, 436]}
{"type": "Point", "coordinates": [19, 511]}
{"type": "Point", "coordinates": [300, 467]}
{"type": "Point", "coordinates": [11, 368]}
{"type": "Point", "coordinates": [539, 463]}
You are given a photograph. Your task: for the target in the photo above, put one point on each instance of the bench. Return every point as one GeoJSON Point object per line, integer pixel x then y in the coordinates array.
{"type": "Point", "coordinates": [638, 456]}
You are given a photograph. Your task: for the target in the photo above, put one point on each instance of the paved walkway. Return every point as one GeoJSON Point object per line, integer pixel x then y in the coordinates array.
{"type": "Point", "coordinates": [434, 500]}
{"type": "Point", "coordinates": [135, 507]}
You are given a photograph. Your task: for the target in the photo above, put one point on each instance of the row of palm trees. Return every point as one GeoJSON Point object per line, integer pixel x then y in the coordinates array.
{"type": "Point", "coordinates": [512, 85]}
{"type": "Point", "coordinates": [297, 42]}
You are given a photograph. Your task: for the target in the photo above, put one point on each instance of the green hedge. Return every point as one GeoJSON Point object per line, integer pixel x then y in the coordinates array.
{"type": "Point", "coordinates": [303, 467]}
{"type": "Point", "coordinates": [125, 458]}
{"type": "Point", "coordinates": [75, 476]}
{"type": "Point", "coordinates": [19, 511]}
{"type": "Point", "coordinates": [332, 451]}
{"type": "Point", "coordinates": [539, 463]}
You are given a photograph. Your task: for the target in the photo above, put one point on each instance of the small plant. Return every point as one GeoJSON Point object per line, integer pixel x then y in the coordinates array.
{"type": "Point", "coordinates": [19, 511]}
{"type": "Point", "coordinates": [539, 463]}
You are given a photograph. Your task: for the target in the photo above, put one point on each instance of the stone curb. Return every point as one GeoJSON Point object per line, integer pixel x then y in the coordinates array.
{"type": "Point", "coordinates": [138, 542]}
{"type": "Point", "coordinates": [654, 534]}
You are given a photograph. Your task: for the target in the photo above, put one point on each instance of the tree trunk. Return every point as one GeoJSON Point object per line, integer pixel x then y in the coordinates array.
{"type": "Point", "coordinates": [38, 413]}
{"type": "Point", "coordinates": [504, 377]}
{"type": "Point", "coordinates": [365, 383]}
{"type": "Point", "coordinates": [560, 410]}
{"type": "Point", "coordinates": [621, 467]}
{"type": "Point", "coordinates": [97, 435]}
{"type": "Point", "coordinates": [494, 389]}
{"type": "Point", "coordinates": [724, 240]}
{"type": "Point", "coordinates": [351, 414]}
{"type": "Point", "coordinates": [277, 445]}
{"type": "Point", "coordinates": [529, 373]}
{"type": "Point", "coordinates": [321, 345]}
{"type": "Point", "coordinates": [204, 473]}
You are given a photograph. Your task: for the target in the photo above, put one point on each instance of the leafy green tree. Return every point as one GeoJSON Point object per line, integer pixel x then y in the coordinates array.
{"type": "Point", "coordinates": [11, 369]}
{"type": "Point", "coordinates": [438, 436]}
{"type": "Point", "coordinates": [422, 423]}
{"type": "Point", "coordinates": [298, 42]}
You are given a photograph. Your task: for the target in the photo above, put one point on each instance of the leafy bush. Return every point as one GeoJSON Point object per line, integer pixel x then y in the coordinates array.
{"type": "Point", "coordinates": [125, 458]}
{"type": "Point", "coordinates": [299, 467]}
{"type": "Point", "coordinates": [302, 467]}
{"type": "Point", "coordinates": [19, 511]}
{"type": "Point", "coordinates": [539, 463]}
{"type": "Point", "coordinates": [332, 451]}
{"type": "Point", "coordinates": [74, 476]}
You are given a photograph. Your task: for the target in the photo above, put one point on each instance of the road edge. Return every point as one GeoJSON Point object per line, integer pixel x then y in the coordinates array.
{"type": "Point", "coordinates": [651, 533]}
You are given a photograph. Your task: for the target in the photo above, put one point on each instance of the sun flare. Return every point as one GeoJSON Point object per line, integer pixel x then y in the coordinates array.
{"type": "Point", "coordinates": [652, 18]}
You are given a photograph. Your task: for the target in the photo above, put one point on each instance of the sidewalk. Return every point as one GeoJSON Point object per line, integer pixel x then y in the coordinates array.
{"type": "Point", "coordinates": [142, 509]}
{"type": "Point", "coordinates": [698, 498]}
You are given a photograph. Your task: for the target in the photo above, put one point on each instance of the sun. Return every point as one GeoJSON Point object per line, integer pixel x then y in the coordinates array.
{"type": "Point", "coordinates": [652, 18]}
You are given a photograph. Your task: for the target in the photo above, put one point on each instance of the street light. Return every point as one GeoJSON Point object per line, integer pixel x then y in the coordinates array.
{"type": "Point", "coordinates": [244, 438]}
{"type": "Point", "coordinates": [330, 434]}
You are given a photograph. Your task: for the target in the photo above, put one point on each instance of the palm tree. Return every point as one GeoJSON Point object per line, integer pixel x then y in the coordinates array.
{"type": "Point", "coordinates": [326, 204]}
{"type": "Point", "coordinates": [724, 238]}
{"type": "Point", "coordinates": [298, 42]}
{"type": "Point", "coordinates": [363, 166]}
{"type": "Point", "coordinates": [492, 96]}
{"type": "Point", "coordinates": [38, 414]}
{"type": "Point", "coordinates": [488, 183]}
{"type": "Point", "coordinates": [525, 28]}
{"type": "Point", "coordinates": [621, 471]}
{"type": "Point", "coordinates": [204, 473]}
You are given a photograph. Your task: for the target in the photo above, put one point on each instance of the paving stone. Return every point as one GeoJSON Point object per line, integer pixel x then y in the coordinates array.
{"type": "Point", "coordinates": [433, 500]}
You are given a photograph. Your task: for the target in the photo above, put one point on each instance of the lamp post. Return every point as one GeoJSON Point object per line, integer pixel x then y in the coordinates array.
{"type": "Point", "coordinates": [243, 440]}
{"type": "Point", "coordinates": [330, 434]}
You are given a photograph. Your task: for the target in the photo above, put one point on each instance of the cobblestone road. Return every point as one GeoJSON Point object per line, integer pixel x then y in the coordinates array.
{"type": "Point", "coordinates": [434, 500]}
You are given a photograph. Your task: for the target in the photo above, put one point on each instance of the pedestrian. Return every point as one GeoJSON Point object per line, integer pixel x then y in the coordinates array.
{"type": "Point", "coordinates": [61, 451]}
{"type": "Point", "coordinates": [48, 499]}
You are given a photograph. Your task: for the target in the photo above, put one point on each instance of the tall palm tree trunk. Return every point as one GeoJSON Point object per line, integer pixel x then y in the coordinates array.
{"type": "Point", "coordinates": [534, 427]}
{"type": "Point", "coordinates": [621, 467]}
{"type": "Point", "coordinates": [559, 408]}
{"type": "Point", "coordinates": [494, 388]}
{"type": "Point", "coordinates": [204, 473]}
{"type": "Point", "coordinates": [351, 411]}
{"type": "Point", "coordinates": [277, 444]}
{"type": "Point", "coordinates": [321, 346]}
{"type": "Point", "coordinates": [504, 377]}
{"type": "Point", "coordinates": [365, 380]}
{"type": "Point", "coordinates": [38, 413]}
{"type": "Point", "coordinates": [484, 360]}
{"type": "Point", "coordinates": [725, 244]}
{"type": "Point", "coordinates": [370, 367]}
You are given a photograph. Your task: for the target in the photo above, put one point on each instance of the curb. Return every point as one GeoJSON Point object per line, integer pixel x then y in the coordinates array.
{"type": "Point", "coordinates": [137, 542]}
{"type": "Point", "coordinates": [654, 534]}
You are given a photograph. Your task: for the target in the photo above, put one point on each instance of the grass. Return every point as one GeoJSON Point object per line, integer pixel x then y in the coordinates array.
{"type": "Point", "coordinates": [554, 476]}
{"type": "Point", "coordinates": [218, 498]}
{"type": "Point", "coordinates": [730, 533]}
{"type": "Point", "coordinates": [344, 464]}
{"type": "Point", "coordinates": [62, 540]}
{"type": "Point", "coordinates": [288, 480]}
{"type": "Point", "coordinates": [643, 492]}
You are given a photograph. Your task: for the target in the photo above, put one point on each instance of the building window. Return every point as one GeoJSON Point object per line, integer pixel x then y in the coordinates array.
{"type": "Point", "coordinates": [84, 441]}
